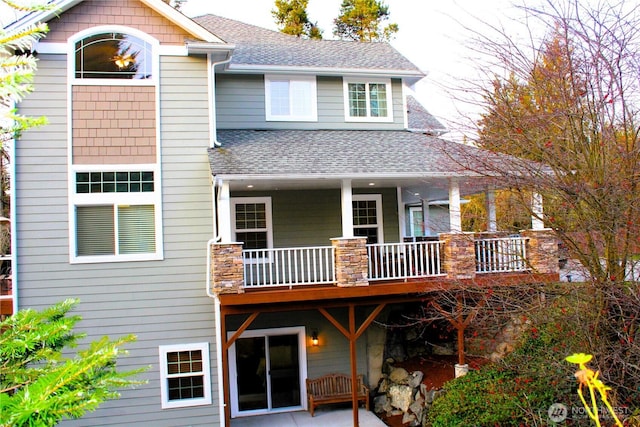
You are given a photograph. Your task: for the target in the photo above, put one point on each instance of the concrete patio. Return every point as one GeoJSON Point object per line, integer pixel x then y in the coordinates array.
{"type": "Point", "coordinates": [323, 418]}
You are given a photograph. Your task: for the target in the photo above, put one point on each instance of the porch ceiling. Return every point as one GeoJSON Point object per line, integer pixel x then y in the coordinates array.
{"type": "Point", "coordinates": [428, 188]}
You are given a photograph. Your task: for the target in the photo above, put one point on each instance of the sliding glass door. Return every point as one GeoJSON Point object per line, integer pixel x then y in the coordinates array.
{"type": "Point", "coordinates": [267, 368]}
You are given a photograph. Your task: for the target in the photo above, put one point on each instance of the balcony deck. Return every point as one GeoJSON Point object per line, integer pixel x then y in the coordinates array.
{"type": "Point", "coordinates": [396, 271]}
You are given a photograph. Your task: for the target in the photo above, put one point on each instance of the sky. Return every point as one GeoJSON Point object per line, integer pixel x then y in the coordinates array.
{"type": "Point", "coordinates": [431, 36]}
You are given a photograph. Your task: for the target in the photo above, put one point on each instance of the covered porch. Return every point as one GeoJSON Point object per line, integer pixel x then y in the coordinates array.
{"type": "Point", "coordinates": [331, 234]}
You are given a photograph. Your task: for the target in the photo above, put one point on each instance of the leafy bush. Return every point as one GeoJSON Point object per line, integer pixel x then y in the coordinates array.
{"type": "Point", "coordinates": [519, 390]}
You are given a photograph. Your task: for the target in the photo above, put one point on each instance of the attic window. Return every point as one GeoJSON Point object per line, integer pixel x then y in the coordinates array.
{"type": "Point", "coordinates": [113, 56]}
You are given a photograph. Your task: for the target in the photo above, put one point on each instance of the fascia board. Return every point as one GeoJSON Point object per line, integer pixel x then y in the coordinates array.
{"type": "Point", "coordinates": [311, 177]}
{"type": "Point", "coordinates": [251, 68]}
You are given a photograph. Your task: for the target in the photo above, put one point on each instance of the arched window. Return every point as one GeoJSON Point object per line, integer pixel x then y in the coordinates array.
{"type": "Point", "coordinates": [113, 56]}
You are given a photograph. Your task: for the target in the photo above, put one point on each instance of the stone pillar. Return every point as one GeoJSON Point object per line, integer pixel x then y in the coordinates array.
{"type": "Point", "coordinates": [459, 255]}
{"type": "Point", "coordinates": [542, 251]}
{"type": "Point", "coordinates": [227, 268]}
{"type": "Point", "coordinates": [351, 261]}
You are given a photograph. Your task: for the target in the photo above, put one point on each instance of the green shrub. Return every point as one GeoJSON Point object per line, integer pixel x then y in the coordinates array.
{"type": "Point", "coordinates": [519, 390]}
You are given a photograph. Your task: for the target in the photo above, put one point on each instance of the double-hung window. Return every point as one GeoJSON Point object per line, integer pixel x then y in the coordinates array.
{"type": "Point", "coordinates": [116, 215]}
{"type": "Point", "coordinates": [367, 217]}
{"type": "Point", "coordinates": [252, 222]}
{"type": "Point", "coordinates": [185, 375]}
{"type": "Point", "coordinates": [289, 98]}
{"type": "Point", "coordinates": [367, 100]}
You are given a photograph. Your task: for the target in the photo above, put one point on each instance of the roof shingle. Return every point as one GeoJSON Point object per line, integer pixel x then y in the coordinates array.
{"type": "Point", "coordinates": [337, 152]}
{"type": "Point", "coordinates": [260, 46]}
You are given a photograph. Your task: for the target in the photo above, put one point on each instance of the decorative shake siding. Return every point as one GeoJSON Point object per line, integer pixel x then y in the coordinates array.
{"type": "Point", "coordinates": [130, 13]}
{"type": "Point", "coordinates": [114, 124]}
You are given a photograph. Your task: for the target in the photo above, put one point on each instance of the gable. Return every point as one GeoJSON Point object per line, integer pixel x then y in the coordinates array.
{"type": "Point", "coordinates": [131, 13]}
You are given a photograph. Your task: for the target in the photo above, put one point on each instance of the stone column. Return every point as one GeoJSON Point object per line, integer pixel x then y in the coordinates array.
{"type": "Point", "coordinates": [351, 261]}
{"type": "Point", "coordinates": [459, 255]}
{"type": "Point", "coordinates": [542, 251]}
{"type": "Point", "coordinates": [227, 268]}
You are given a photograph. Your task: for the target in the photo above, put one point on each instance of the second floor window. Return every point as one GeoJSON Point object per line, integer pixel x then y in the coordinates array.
{"type": "Point", "coordinates": [290, 98]}
{"type": "Point", "coordinates": [113, 56]}
{"type": "Point", "coordinates": [367, 100]}
{"type": "Point", "coordinates": [116, 216]}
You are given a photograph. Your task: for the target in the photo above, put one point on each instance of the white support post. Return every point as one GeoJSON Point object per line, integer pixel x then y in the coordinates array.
{"type": "Point", "coordinates": [402, 220]}
{"type": "Point", "coordinates": [347, 209]}
{"type": "Point", "coordinates": [455, 216]}
{"type": "Point", "coordinates": [490, 201]}
{"type": "Point", "coordinates": [537, 223]}
{"type": "Point", "coordinates": [224, 213]}
{"type": "Point", "coordinates": [426, 226]}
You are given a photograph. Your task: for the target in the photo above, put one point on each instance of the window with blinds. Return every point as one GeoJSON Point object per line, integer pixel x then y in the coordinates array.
{"type": "Point", "coordinates": [96, 230]}
{"type": "Point", "coordinates": [116, 216]}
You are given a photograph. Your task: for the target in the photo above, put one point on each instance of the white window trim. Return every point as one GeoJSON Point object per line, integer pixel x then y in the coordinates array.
{"type": "Point", "coordinates": [206, 370]}
{"type": "Point", "coordinates": [345, 87]}
{"type": "Point", "coordinates": [413, 210]}
{"type": "Point", "coordinates": [115, 199]}
{"type": "Point", "coordinates": [71, 63]}
{"type": "Point", "coordinates": [233, 370]}
{"type": "Point", "coordinates": [379, 225]}
{"type": "Point", "coordinates": [292, 117]}
{"type": "Point", "coordinates": [244, 200]}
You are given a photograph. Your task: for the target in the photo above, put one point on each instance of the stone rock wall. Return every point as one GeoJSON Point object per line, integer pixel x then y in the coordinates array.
{"type": "Point", "coordinates": [402, 393]}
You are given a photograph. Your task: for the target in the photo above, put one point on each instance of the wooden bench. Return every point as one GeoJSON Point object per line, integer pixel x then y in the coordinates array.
{"type": "Point", "coordinates": [334, 388]}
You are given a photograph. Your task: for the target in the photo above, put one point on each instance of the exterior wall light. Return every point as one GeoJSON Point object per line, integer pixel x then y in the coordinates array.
{"type": "Point", "coordinates": [314, 338]}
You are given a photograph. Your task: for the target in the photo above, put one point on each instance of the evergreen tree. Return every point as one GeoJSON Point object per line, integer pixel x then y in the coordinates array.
{"type": "Point", "coordinates": [17, 67]}
{"type": "Point", "coordinates": [38, 385]}
{"type": "Point", "coordinates": [291, 17]}
{"type": "Point", "coordinates": [362, 20]}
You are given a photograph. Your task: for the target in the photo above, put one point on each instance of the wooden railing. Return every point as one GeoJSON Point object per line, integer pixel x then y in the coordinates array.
{"type": "Point", "coordinates": [404, 260]}
{"type": "Point", "coordinates": [288, 266]}
{"type": "Point", "coordinates": [501, 255]}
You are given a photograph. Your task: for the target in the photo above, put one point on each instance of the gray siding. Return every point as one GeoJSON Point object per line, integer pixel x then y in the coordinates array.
{"type": "Point", "coordinates": [240, 102]}
{"type": "Point", "coordinates": [162, 302]}
{"type": "Point", "coordinates": [313, 217]}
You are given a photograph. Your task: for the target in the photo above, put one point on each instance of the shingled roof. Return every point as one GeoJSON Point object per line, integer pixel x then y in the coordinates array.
{"type": "Point", "coordinates": [257, 46]}
{"type": "Point", "coordinates": [420, 120]}
{"type": "Point", "coordinates": [320, 153]}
